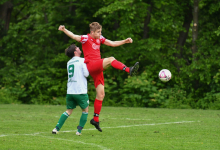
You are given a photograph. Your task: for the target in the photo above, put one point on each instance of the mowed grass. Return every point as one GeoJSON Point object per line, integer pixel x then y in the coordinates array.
{"type": "Point", "coordinates": [28, 127]}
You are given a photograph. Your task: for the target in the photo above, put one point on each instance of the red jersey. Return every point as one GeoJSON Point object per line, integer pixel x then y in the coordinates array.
{"type": "Point", "coordinates": [91, 47]}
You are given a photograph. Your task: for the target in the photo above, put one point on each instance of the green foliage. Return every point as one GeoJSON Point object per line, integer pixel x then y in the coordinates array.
{"type": "Point", "coordinates": [218, 31]}
{"type": "Point", "coordinates": [9, 95]}
{"type": "Point", "coordinates": [144, 91]}
{"type": "Point", "coordinates": [140, 91]}
{"type": "Point", "coordinates": [33, 64]}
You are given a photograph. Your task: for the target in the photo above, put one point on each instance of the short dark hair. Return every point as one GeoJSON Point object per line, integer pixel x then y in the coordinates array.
{"type": "Point", "coordinates": [70, 50]}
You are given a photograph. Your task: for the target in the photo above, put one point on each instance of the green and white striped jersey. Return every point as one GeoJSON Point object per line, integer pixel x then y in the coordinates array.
{"type": "Point", "coordinates": [77, 73]}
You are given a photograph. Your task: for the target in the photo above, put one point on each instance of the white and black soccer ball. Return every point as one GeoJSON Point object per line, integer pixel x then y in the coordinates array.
{"type": "Point", "coordinates": [165, 75]}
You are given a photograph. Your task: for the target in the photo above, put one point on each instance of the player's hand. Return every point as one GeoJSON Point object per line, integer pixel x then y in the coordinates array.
{"type": "Point", "coordinates": [128, 40]}
{"type": "Point", "coordinates": [61, 28]}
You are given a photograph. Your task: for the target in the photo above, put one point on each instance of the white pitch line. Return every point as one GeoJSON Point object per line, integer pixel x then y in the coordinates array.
{"type": "Point", "coordinates": [22, 134]}
{"type": "Point", "coordinates": [96, 145]}
{"type": "Point", "coordinates": [125, 126]}
{"type": "Point", "coordinates": [150, 124]}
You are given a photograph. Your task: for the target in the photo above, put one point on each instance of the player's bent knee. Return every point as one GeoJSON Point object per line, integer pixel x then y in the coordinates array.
{"type": "Point", "coordinates": [100, 96]}
{"type": "Point", "coordinates": [86, 110]}
{"type": "Point", "coordinates": [111, 59]}
{"type": "Point", "coordinates": [69, 111]}
{"type": "Point", "coordinates": [107, 62]}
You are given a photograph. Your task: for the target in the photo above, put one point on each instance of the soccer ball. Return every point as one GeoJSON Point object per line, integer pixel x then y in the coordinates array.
{"type": "Point", "coordinates": [164, 75]}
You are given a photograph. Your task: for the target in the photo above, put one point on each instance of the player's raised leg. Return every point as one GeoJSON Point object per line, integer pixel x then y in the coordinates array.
{"type": "Point", "coordinates": [111, 61]}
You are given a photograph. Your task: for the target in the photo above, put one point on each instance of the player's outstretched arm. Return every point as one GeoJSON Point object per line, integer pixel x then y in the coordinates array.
{"type": "Point", "coordinates": [117, 43]}
{"type": "Point", "coordinates": [69, 33]}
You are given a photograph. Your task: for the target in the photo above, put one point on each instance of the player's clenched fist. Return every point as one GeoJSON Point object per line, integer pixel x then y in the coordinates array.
{"type": "Point", "coordinates": [61, 28]}
{"type": "Point", "coordinates": [128, 40]}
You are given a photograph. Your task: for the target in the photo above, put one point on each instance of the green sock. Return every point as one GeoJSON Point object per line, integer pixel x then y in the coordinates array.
{"type": "Point", "coordinates": [82, 121]}
{"type": "Point", "coordinates": [61, 121]}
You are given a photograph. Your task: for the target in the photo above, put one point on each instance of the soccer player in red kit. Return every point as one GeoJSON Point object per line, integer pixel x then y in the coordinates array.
{"type": "Point", "coordinates": [96, 65]}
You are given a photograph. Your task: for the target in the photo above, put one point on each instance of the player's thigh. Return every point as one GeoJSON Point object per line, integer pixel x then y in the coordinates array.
{"type": "Point", "coordinates": [70, 101]}
{"type": "Point", "coordinates": [98, 79]}
{"type": "Point", "coordinates": [82, 100]}
{"type": "Point", "coordinates": [107, 62]}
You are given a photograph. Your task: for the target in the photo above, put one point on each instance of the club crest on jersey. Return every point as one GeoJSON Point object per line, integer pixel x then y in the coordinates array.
{"type": "Point", "coordinates": [97, 41]}
{"type": "Point", "coordinates": [94, 46]}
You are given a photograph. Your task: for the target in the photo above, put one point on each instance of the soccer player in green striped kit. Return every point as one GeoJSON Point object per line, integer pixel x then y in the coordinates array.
{"type": "Point", "coordinates": [76, 88]}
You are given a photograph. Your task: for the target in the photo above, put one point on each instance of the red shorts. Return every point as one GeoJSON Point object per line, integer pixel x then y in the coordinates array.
{"type": "Point", "coordinates": [95, 68]}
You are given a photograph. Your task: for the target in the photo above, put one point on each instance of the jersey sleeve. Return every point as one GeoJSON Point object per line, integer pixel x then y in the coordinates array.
{"type": "Point", "coordinates": [84, 39]}
{"type": "Point", "coordinates": [84, 68]}
{"type": "Point", "coordinates": [102, 39]}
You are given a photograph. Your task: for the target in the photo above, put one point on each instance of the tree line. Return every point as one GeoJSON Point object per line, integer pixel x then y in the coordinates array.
{"type": "Point", "coordinates": [182, 36]}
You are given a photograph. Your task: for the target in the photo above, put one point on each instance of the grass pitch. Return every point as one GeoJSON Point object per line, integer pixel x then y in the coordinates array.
{"type": "Point", "coordinates": [28, 127]}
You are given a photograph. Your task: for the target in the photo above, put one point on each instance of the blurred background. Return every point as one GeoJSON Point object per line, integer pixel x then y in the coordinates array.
{"type": "Point", "coordinates": [179, 35]}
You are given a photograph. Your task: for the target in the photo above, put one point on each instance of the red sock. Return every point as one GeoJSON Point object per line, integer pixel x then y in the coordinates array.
{"type": "Point", "coordinates": [97, 109]}
{"type": "Point", "coordinates": [120, 66]}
